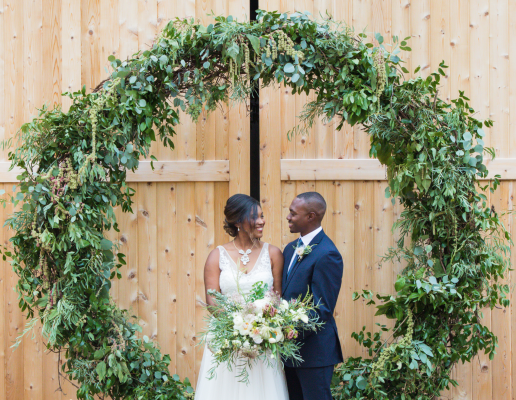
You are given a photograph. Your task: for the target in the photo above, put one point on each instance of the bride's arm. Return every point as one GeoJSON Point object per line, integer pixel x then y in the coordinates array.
{"type": "Point", "coordinates": [277, 267]}
{"type": "Point", "coordinates": [212, 275]}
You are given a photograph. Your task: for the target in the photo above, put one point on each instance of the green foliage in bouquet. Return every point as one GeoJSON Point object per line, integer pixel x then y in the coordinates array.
{"type": "Point", "coordinates": [74, 166]}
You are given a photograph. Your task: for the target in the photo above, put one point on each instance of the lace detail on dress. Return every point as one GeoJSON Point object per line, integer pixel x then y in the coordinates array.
{"type": "Point", "coordinates": [232, 280]}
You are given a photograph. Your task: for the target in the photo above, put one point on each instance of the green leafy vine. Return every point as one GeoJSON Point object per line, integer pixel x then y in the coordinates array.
{"type": "Point", "coordinates": [453, 244]}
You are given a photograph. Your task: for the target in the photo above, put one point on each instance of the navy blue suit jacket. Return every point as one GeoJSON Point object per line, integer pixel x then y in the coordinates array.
{"type": "Point", "coordinates": [321, 272]}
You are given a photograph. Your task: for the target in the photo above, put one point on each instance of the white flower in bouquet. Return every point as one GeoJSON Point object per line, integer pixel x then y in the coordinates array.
{"type": "Point", "coordinates": [259, 305]}
{"type": "Point", "coordinates": [279, 336]}
{"type": "Point", "coordinates": [264, 332]}
{"type": "Point", "coordinates": [303, 317]}
{"type": "Point", "coordinates": [246, 327]}
{"type": "Point", "coordinates": [300, 315]}
{"type": "Point", "coordinates": [256, 335]}
{"type": "Point", "coordinates": [284, 305]}
{"type": "Point", "coordinates": [238, 321]}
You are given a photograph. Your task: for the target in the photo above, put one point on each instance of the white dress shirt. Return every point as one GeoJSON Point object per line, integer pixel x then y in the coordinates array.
{"type": "Point", "coordinates": [306, 241]}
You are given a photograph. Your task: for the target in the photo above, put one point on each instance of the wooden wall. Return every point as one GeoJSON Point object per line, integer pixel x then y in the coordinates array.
{"type": "Point", "coordinates": [477, 42]}
{"type": "Point", "coordinates": [51, 46]}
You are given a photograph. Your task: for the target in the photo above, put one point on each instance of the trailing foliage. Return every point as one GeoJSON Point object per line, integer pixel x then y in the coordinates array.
{"type": "Point", "coordinates": [74, 169]}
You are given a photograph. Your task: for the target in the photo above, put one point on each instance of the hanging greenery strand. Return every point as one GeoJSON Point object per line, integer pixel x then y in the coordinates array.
{"type": "Point", "coordinates": [454, 246]}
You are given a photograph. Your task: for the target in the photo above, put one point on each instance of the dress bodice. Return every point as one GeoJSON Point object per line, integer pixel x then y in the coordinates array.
{"type": "Point", "coordinates": [233, 281]}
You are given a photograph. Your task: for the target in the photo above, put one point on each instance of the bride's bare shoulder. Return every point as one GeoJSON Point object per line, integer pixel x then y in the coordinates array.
{"type": "Point", "coordinates": [213, 257]}
{"type": "Point", "coordinates": [275, 251]}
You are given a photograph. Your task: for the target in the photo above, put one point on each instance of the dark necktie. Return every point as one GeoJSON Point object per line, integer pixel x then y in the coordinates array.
{"type": "Point", "coordinates": [296, 258]}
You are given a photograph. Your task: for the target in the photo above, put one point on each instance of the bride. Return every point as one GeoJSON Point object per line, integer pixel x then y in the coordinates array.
{"type": "Point", "coordinates": [249, 260]}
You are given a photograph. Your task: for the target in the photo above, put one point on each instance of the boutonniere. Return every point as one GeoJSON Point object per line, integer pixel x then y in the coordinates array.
{"type": "Point", "coordinates": [302, 251]}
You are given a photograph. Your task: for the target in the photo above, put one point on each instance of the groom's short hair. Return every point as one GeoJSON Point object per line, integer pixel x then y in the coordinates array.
{"type": "Point", "coordinates": [314, 202]}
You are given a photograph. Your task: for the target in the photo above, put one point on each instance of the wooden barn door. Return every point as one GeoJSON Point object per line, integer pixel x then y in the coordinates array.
{"type": "Point", "coordinates": [336, 164]}
{"type": "Point", "coordinates": [47, 49]}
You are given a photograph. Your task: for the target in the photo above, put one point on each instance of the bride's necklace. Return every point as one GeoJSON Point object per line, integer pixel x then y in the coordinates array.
{"type": "Point", "coordinates": [245, 255]}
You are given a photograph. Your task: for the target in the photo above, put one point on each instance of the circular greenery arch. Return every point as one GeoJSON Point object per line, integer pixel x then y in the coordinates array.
{"type": "Point", "coordinates": [74, 169]}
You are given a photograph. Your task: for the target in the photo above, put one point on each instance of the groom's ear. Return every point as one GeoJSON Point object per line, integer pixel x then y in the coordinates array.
{"type": "Point", "coordinates": [312, 216]}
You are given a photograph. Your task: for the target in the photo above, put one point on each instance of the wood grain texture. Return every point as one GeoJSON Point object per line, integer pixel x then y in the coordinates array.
{"type": "Point", "coordinates": [166, 204]}
{"type": "Point", "coordinates": [71, 41]}
{"type": "Point", "coordinates": [4, 272]}
{"type": "Point", "coordinates": [147, 258]}
{"type": "Point", "coordinates": [326, 169]}
{"type": "Point", "coordinates": [364, 257]}
{"type": "Point", "coordinates": [474, 37]}
{"type": "Point", "coordinates": [501, 317]}
{"type": "Point", "coordinates": [345, 241]}
{"type": "Point", "coordinates": [479, 59]}
{"type": "Point", "coordinates": [181, 171]}
{"type": "Point", "coordinates": [499, 76]}
{"type": "Point", "coordinates": [186, 267]}
{"type": "Point", "coordinates": [204, 244]}
{"type": "Point", "coordinates": [14, 111]}
{"type": "Point", "coordinates": [32, 98]}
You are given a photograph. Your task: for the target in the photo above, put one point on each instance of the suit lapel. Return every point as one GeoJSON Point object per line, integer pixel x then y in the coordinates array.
{"type": "Point", "coordinates": [315, 241]}
{"type": "Point", "coordinates": [289, 250]}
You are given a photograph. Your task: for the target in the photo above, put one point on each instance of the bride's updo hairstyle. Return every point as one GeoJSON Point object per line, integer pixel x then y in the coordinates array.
{"type": "Point", "coordinates": [240, 208]}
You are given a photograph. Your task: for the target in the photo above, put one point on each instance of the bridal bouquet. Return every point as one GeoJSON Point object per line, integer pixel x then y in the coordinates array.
{"type": "Point", "coordinates": [259, 325]}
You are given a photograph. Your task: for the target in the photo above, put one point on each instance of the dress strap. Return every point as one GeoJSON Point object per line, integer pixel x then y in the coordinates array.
{"type": "Point", "coordinates": [224, 261]}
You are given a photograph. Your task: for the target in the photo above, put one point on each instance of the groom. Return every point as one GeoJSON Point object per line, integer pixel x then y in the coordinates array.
{"type": "Point", "coordinates": [320, 271]}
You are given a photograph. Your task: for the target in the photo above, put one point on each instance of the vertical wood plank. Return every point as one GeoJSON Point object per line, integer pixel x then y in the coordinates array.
{"type": "Point", "coordinates": [221, 196]}
{"type": "Point", "coordinates": [51, 87]}
{"type": "Point", "coordinates": [90, 66]}
{"type": "Point", "coordinates": [239, 125]}
{"type": "Point", "coordinates": [52, 61]}
{"type": "Point", "coordinates": [512, 83]}
{"type": "Point", "coordinates": [343, 139]}
{"type": "Point", "coordinates": [382, 271]}
{"type": "Point", "coordinates": [362, 22]}
{"type": "Point", "coordinates": [147, 255]}
{"type": "Point", "coordinates": [204, 244]}
{"type": "Point", "coordinates": [479, 59]}
{"type": "Point", "coordinates": [109, 37]}
{"type": "Point", "coordinates": [32, 99]}
{"type": "Point", "coordinates": [440, 43]}
{"type": "Point", "coordinates": [3, 270]}
{"type": "Point", "coordinates": [420, 32]}
{"type": "Point", "coordinates": [270, 154]}
{"type": "Point", "coordinates": [3, 65]}
{"type": "Point", "coordinates": [512, 196]}
{"type": "Point", "coordinates": [327, 190]}
{"type": "Point", "coordinates": [459, 48]}
{"type": "Point", "coordinates": [401, 27]}
{"type": "Point", "coordinates": [344, 240]}
{"type": "Point", "coordinates": [482, 387]}
{"type": "Point", "coordinates": [14, 111]}
{"type": "Point", "coordinates": [364, 212]}
{"type": "Point", "coordinates": [71, 39]}
{"type": "Point", "coordinates": [128, 284]}
{"type": "Point", "coordinates": [460, 80]}
{"type": "Point", "coordinates": [167, 259]}
{"type": "Point", "coordinates": [501, 317]}
{"type": "Point", "coordinates": [147, 29]}
{"type": "Point", "coordinates": [499, 76]}
{"type": "Point", "coordinates": [288, 193]}
{"type": "Point", "coordinates": [15, 322]}
{"type": "Point", "coordinates": [186, 263]}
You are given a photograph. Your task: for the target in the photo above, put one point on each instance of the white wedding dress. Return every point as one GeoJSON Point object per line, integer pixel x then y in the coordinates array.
{"type": "Point", "coordinates": [264, 382]}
